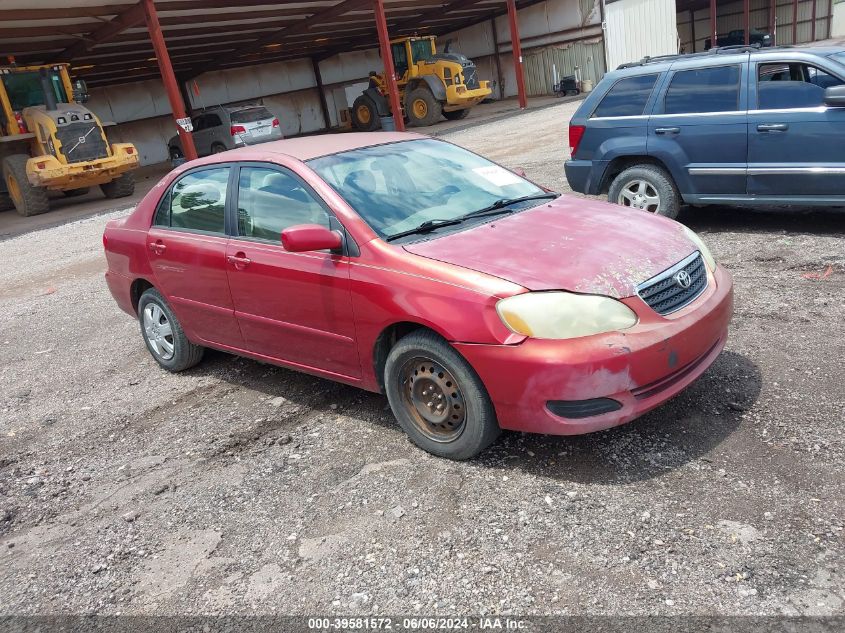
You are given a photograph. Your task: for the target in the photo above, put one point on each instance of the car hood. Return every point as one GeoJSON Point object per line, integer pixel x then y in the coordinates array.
{"type": "Point", "coordinates": [568, 244]}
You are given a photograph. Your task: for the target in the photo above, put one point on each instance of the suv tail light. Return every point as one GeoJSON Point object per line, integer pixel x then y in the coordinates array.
{"type": "Point", "coordinates": [275, 122]}
{"type": "Point", "coordinates": [576, 133]}
{"type": "Point", "coordinates": [237, 129]}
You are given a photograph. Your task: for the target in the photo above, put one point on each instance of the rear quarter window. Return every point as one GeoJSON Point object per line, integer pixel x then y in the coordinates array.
{"type": "Point", "coordinates": [702, 90]}
{"type": "Point", "coordinates": [627, 97]}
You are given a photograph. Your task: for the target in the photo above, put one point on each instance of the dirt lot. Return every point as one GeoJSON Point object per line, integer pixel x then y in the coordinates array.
{"type": "Point", "coordinates": [239, 487]}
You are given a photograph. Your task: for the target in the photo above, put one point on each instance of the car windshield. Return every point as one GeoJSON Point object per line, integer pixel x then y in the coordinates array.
{"type": "Point", "coordinates": [251, 115]}
{"type": "Point", "coordinates": [398, 186]}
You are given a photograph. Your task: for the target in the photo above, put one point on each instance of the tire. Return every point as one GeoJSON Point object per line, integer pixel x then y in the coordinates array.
{"type": "Point", "coordinates": [27, 199]}
{"type": "Point", "coordinates": [72, 193]}
{"type": "Point", "coordinates": [648, 188]}
{"type": "Point", "coordinates": [456, 115]}
{"type": "Point", "coordinates": [365, 115]}
{"type": "Point", "coordinates": [120, 187]}
{"type": "Point", "coordinates": [176, 153]}
{"type": "Point", "coordinates": [445, 435]}
{"type": "Point", "coordinates": [217, 148]}
{"type": "Point", "coordinates": [6, 203]}
{"type": "Point", "coordinates": [173, 351]}
{"type": "Point", "coordinates": [422, 108]}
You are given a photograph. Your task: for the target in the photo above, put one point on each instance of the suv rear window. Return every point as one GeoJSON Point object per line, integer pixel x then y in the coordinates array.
{"type": "Point", "coordinates": [251, 115]}
{"type": "Point", "coordinates": [627, 97]}
{"type": "Point", "coordinates": [703, 90]}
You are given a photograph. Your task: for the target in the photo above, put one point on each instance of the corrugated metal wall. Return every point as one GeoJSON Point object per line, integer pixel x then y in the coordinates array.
{"type": "Point", "coordinates": [730, 17]}
{"type": "Point", "coordinates": [640, 28]}
{"type": "Point", "coordinates": [540, 64]}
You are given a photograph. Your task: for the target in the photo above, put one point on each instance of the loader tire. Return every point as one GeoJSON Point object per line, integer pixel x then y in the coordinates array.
{"type": "Point", "coordinates": [120, 187]}
{"type": "Point", "coordinates": [422, 108]}
{"type": "Point", "coordinates": [364, 114]}
{"type": "Point", "coordinates": [27, 198]}
{"type": "Point", "coordinates": [6, 203]}
{"type": "Point", "coordinates": [456, 115]}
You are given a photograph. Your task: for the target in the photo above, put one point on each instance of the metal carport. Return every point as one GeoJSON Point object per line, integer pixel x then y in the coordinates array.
{"type": "Point", "coordinates": [114, 42]}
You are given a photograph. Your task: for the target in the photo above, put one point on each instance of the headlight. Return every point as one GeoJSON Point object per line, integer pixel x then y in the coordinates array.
{"type": "Point", "coordinates": [562, 315]}
{"type": "Point", "coordinates": [702, 247]}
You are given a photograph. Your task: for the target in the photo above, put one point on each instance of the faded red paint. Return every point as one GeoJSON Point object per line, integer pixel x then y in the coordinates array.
{"type": "Point", "coordinates": [449, 284]}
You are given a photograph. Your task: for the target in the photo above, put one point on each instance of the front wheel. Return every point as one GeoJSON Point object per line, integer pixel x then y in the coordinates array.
{"type": "Point", "coordinates": [28, 199]}
{"type": "Point", "coordinates": [437, 397]}
{"type": "Point", "coordinates": [456, 115]}
{"type": "Point", "coordinates": [422, 108]}
{"type": "Point", "coordinates": [646, 188]}
{"type": "Point", "coordinates": [364, 114]}
{"type": "Point", "coordinates": [163, 335]}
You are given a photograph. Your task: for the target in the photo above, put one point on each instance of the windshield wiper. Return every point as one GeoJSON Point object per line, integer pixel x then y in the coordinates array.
{"type": "Point", "coordinates": [499, 205]}
{"type": "Point", "coordinates": [425, 227]}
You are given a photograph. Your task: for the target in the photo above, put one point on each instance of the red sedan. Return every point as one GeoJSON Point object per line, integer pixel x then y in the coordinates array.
{"type": "Point", "coordinates": [473, 298]}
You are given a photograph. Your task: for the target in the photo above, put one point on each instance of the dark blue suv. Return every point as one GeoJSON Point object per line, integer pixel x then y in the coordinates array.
{"type": "Point", "coordinates": [730, 126]}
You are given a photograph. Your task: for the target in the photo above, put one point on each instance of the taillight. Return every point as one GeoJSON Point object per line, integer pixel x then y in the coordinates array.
{"type": "Point", "coordinates": [275, 122]}
{"type": "Point", "coordinates": [576, 133]}
{"type": "Point", "coordinates": [237, 129]}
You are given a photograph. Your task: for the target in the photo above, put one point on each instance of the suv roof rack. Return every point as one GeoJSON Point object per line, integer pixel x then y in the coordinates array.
{"type": "Point", "coordinates": [718, 50]}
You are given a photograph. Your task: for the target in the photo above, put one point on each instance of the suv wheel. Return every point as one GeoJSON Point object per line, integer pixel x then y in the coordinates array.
{"type": "Point", "coordinates": [646, 188]}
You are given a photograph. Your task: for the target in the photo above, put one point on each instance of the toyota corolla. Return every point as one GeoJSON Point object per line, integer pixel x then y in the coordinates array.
{"type": "Point", "coordinates": [473, 298]}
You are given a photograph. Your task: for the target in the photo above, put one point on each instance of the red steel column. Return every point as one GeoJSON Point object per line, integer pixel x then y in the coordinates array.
{"type": "Point", "coordinates": [746, 9]}
{"type": "Point", "coordinates": [168, 77]}
{"type": "Point", "coordinates": [387, 60]}
{"type": "Point", "coordinates": [517, 54]}
{"type": "Point", "coordinates": [714, 37]}
{"type": "Point", "coordinates": [794, 22]}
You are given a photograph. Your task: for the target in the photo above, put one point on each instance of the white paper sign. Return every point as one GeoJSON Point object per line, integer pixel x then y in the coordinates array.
{"type": "Point", "coordinates": [499, 176]}
{"type": "Point", "coordinates": [185, 124]}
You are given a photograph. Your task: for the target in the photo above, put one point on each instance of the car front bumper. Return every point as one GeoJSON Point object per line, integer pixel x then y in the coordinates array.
{"type": "Point", "coordinates": [638, 369]}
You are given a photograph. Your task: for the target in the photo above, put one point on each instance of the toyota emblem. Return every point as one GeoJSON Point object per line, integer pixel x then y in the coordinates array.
{"type": "Point", "coordinates": [683, 279]}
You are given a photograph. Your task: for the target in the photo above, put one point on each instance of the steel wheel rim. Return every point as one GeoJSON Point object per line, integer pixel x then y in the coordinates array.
{"type": "Point", "coordinates": [158, 331]}
{"type": "Point", "coordinates": [433, 399]}
{"type": "Point", "coordinates": [420, 108]}
{"type": "Point", "coordinates": [363, 114]}
{"type": "Point", "coordinates": [640, 194]}
{"type": "Point", "coordinates": [14, 189]}
{"type": "Point", "coordinates": [218, 149]}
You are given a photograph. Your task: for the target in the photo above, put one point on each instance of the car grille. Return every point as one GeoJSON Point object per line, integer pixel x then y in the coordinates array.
{"type": "Point", "coordinates": [471, 77]}
{"type": "Point", "coordinates": [666, 293]}
{"type": "Point", "coordinates": [93, 148]}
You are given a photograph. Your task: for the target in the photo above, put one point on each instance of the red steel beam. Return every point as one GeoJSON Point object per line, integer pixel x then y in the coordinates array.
{"type": "Point", "coordinates": [746, 20]}
{"type": "Point", "coordinates": [517, 54]}
{"type": "Point", "coordinates": [168, 77]}
{"type": "Point", "coordinates": [387, 59]}
{"type": "Point", "coordinates": [714, 34]}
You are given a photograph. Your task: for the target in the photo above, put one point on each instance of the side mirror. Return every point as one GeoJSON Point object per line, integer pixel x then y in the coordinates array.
{"type": "Point", "coordinates": [519, 171]}
{"type": "Point", "coordinates": [80, 91]}
{"type": "Point", "coordinates": [310, 237]}
{"type": "Point", "coordinates": [835, 96]}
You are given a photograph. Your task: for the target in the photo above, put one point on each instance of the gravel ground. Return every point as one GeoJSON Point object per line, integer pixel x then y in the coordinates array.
{"type": "Point", "coordinates": [242, 488]}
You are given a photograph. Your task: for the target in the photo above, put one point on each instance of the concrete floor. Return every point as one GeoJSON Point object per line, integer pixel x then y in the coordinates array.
{"type": "Point", "coordinates": [65, 210]}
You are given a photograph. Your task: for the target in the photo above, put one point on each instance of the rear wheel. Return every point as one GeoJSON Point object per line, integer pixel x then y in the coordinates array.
{"type": "Point", "coordinates": [27, 198]}
{"type": "Point", "coordinates": [646, 188]}
{"type": "Point", "coordinates": [218, 148]}
{"type": "Point", "coordinates": [120, 187]}
{"type": "Point", "coordinates": [422, 108]}
{"type": "Point", "coordinates": [456, 115]}
{"type": "Point", "coordinates": [6, 203]}
{"type": "Point", "coordinates": [163, 334]}
{"type": "Point", "coordinates": [176, 153]}
{"type": "Point", "coordinates": [437, 397]}
{"type": "Point", "coordinates": [72, 193]}
{"type": "Point", "coordinates": [365, 115]}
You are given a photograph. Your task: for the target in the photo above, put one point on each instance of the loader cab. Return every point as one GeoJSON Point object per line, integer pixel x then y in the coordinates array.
{"type": "Point", "coordinates": [24, 87]}
{"type": "Point", "coordinates": [408, 52]}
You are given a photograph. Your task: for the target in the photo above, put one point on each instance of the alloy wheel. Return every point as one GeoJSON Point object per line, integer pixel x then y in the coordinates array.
{"type": "Point", "coordinates": [159, 332]}
{"type": "Point", "coordinates": [640, 194]}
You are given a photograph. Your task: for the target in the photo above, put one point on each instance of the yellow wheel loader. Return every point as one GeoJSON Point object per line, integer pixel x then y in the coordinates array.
{"type": "Point", "coordinates": [50, 142]}
{"type": "Point", "coordinates": [431, 85]}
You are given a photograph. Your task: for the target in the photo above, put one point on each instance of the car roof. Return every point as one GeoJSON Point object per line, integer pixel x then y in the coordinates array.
{"type": "Point", "coordinates": [307, 147]}
{"type": "Point", "coordinates": [725, 55]}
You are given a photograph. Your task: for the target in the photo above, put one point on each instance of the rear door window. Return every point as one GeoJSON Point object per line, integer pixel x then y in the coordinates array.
{"type": "Point", "coordinates": [198, 202]}
{"type": "Point", "coordinates": [703, 90]}
{"type": "Point", "coordinates": [627, 97]}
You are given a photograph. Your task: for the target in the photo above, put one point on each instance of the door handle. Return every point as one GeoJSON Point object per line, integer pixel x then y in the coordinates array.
{"type": "Point", "coordinates": [667, 130]}
{"type": "Point", "coordinates": [239, 260]}
{"type": "Point", "coordinates": [158, 247]}
{"type": "Point", "coordinates": [773, 127]}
